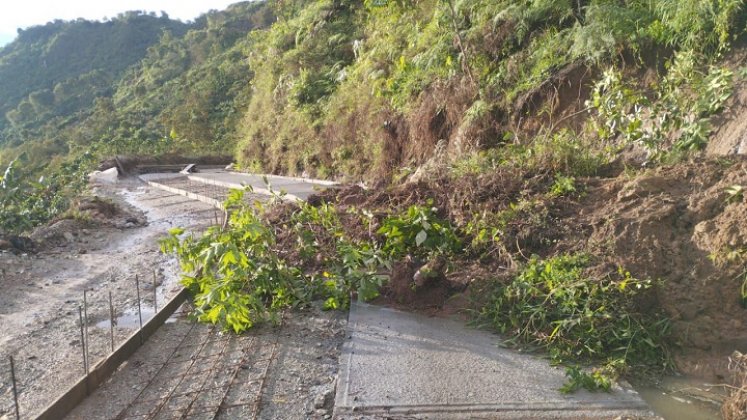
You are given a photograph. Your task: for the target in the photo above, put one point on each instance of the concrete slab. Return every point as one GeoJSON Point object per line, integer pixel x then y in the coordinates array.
{"type": "Point", "coordinates": [396, 363]}
{"type": "Point", "coordinates": [295, 188]}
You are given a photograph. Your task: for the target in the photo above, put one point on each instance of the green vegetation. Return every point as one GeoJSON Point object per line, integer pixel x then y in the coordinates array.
{"type": "Point", "coordinates": [398, 77]}
{"type": "Point", "coordinates": [527, 98]}
{"type": "Point", "coordinates": [597, 380]}
{"type": "Point", "coordinates": [80, 91]}
{"type": "Point", "coordinates": [362, 89]}
{"type": "Point", "coordinates": [240, 278]}
{"type": "Point", "coordinates": [734, 194]}
{"type": "Point", "coordinates": [556, 305]}
{"type": "Point", "coordinates": [25, 203]}
{"type": "Point", "coordinates": [677, 120]}
{"type": "Point", "coordinates": [245, 274]}
{"type": "Point", "coordinates": [419, 232]}
{"type": "Point", "coordinates": [50, 72]}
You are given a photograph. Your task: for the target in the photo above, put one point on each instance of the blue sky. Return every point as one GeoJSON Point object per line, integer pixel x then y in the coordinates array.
{"type": "Point", "coordinates": [25, 13]}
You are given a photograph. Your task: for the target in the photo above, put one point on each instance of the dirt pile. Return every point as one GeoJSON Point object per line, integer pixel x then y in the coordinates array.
{"type": "Point", "coordinates": [85, 214]}
{"type": "Point", "coordinates": [679, 225]}
{"type": "Point", "coordinates": [16, 244]}
{"type": "Point", "coordinates": [682, 225]}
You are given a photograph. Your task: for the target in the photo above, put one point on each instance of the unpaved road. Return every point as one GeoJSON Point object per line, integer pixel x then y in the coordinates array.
{"type": "Point", "coordinates": [41, 293]}
{"type": "Point", "coordinates": [185, 370]}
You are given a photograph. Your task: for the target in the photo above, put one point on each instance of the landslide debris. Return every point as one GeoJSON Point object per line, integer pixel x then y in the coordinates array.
{"type": "Point", "coordinates": [677, 225]}
{"type": "Point", "coordinates": [86, 213]}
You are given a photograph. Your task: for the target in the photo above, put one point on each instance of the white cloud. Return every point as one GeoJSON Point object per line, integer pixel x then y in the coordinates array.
{"type": "Point", "coordinates": [25, 13]}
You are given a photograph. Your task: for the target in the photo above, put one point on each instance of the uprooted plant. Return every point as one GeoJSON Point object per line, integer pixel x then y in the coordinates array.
{"type": "Point", "coordinates": [240, 276]}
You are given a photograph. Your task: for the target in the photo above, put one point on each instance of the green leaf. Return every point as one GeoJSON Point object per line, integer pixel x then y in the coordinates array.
{"type": "Point", "coordinates": [176, 231]}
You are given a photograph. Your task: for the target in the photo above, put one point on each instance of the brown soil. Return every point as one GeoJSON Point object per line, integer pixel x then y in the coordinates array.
{"type": "Point", "coordinates": [672, 224]}
{"type": "Point", "coordinates": [735, 406]}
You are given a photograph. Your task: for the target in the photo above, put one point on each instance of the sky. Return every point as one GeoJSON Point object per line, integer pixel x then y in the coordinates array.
{"type": "Point", "coordinates": [25, 13]}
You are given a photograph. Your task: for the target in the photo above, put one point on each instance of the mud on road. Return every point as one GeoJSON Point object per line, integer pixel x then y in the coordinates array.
{"type": "Point", "coordinates": [41, 293]}
{"type": "Point", "coordinates": [186, 369]}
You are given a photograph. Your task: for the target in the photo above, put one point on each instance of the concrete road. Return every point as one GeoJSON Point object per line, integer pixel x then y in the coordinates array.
{"type": "Point", "coordinates": [294, 188]}
{"type": "Point", "coordinates": [401, 364]}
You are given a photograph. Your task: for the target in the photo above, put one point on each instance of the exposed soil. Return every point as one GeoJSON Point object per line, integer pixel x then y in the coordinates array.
{"type": "Point", "coordinates": [101, 250]}
{"type": "Point", "coordinates": [673, 224]}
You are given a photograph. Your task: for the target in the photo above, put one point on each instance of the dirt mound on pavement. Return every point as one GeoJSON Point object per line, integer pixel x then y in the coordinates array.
{"type": "Point", "coordinates": [680, 225]}
{"type": "Point", "coordinates": [684, 225]}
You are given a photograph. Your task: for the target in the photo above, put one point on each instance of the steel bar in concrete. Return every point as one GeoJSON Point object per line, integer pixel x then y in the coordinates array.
{"type": "Point", "coordinates": [85, 322]}
{"type": "Point", "coordinates": [139, 309]}
{"type": "Point", "coordinates": [15, 388]}
{"type": "Point", "coordinates": [111, 320]}
{"type": "Point", "coordinates": [83, 341]}
{"type": "Point", "coordinates": [102, 371]}
{"type": "Point", "coordinates": [155, 291]}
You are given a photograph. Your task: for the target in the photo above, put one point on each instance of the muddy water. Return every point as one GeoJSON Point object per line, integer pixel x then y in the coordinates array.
{"type": "Point", "coordinates": [160, 221]}
{"type": "Point", "coordinates": [682, 398]}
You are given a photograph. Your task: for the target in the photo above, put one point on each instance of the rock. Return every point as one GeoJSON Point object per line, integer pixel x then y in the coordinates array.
{"type": "Point", "coordinates": [68, 237]}
{"type": "Point", "coordinates": [432, 270]}
{"type": "Point", "coordinates": [319, 401]}
{"type": "Point", "coordinates": [324, 399]}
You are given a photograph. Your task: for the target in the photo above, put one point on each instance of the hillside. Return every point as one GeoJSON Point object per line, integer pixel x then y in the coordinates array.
{"type": "Point", "coordinates": [58, 69]}
{"type": "Point", "coordinates": [574, 169]}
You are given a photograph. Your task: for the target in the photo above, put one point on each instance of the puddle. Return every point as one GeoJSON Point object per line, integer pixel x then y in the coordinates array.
{"type": "Point", "coordinates": [130, 320]}
{"type": "Point", "coordinates": [682, 398]}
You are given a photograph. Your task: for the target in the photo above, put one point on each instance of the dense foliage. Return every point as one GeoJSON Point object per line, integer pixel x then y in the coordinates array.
{"type": "Point", "coordinates": [135, 83]}
{"type": "Point", "coordinates": [554, 304]}
{"type": "Point", "coordinates": [362, 88]}
{"type": "Point", "coordinates": [26, 202]}
{"type": "Point", "coordinates": [56, 70]}
{"type": "Point", "coordinates": [242, 275]}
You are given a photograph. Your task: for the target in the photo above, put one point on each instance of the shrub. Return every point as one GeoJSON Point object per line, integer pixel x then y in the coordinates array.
{"type": "Point", "coordinates": [554, 304]}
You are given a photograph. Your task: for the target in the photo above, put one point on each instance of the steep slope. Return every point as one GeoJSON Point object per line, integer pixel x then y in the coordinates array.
{"type": "Point", "coordinates": [361, 89]}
